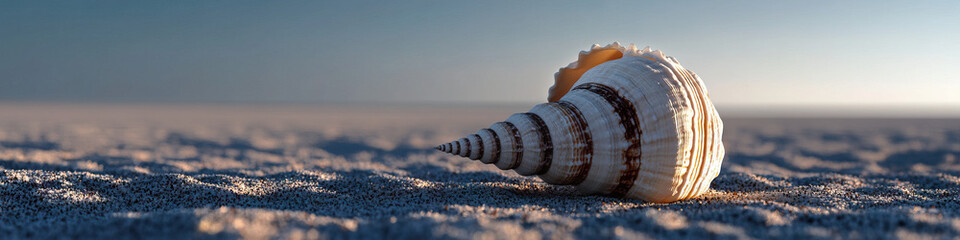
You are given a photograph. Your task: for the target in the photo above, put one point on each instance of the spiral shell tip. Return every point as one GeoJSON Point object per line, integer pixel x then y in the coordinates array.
{"type": "Point", "coordinates": [443, 148]}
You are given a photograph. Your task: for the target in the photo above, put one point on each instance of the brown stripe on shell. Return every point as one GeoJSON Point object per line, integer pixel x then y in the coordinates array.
{"type": "Point", "coordinates": [546, 143]}
{"type": "Point", "coordinates": [631, 122]}
{"type": "Point", "coordinates": [496, 143]}
{"type": "Point", "coordinates": [466, 142]}
{"type": "Point", "coordinates": [479, 147]}
{"type": "Point", "coordinates": [458, 148]}
{"type": "Point", "coordinates": [582, 141]}
{"type": "Point", "coordinates": [517, 145]}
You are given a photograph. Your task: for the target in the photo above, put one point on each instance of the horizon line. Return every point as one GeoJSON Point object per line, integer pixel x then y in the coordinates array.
{"type": "Point", "coordinates": [839, 110]}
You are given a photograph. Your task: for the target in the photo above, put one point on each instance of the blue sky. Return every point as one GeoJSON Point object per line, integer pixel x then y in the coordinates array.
{"type": "Point", "coordinates": [748, 52]}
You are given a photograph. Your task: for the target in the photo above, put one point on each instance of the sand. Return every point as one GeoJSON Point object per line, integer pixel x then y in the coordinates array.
{"type": "Point", "coordinates": [309, 172]}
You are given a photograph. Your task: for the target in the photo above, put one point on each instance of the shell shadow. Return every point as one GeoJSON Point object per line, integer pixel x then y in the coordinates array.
{"type": "Point", "coordinates": [435, 173]}
{"type": "Point", "coordinates": [214, 148]}
{"type": "Point", "coordinates": [346, 147]}
{"type": "Point", "coordinates": [31, 145]}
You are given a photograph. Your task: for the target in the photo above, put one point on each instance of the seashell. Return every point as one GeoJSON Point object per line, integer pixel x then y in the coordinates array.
{"type": "Point", "coordinates": [619, 121]}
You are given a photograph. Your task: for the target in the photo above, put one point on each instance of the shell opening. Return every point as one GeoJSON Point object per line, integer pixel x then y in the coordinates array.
{"type": "Point", "coordinates": [566, 77]}
{"type": "Point", "coordinates": [569, 75]}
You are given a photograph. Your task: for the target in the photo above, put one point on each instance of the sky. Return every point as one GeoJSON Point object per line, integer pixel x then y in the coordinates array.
{"type": "Point", "coordinates": [749, 53]}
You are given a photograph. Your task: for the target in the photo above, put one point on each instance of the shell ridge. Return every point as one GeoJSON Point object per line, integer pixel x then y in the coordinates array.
{"type": "Point", "coordinates": [517, 145]}
{"type": "Point", "coordinates": [495, 155]}
{"type": "Point", "coordinates": [607, 137]}
{"type": "Point", "coordinates": [701, 155]}
{"type": "Point", "coordinates": [644, 82]}
{"type": "Point", "coordinates": [457, 148]}
{"type": "Point", "coordinates": [706, 127]}
{"type": "Point", "coordinates": [584, 141]}
{"type": "Point", "coordinates": [639, 77]}
{"type": "Point", "coordinates": [697, 149]}
{"type": "Point", "coordinates": [680, 90]}
{"type": "Point", "coordinates": [546, 143]}
{"type": "Point", "coordinates": [628, 119]}
{"type": "Point", "coordinates": [694, 103]}
{"type": "Point", "coordinates": [506, 145]}
{"type": "Point", "coordinates": [466, 143]}
{"type": "Point", "coordinates": [479, 147]}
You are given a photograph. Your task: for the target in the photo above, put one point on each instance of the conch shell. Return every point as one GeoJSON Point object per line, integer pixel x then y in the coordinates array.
{"type": "Point", "coordinates": [619, 121]}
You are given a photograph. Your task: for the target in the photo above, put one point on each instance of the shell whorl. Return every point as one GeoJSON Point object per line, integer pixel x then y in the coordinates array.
{"type": "Point", "coordinates": [634, 123]}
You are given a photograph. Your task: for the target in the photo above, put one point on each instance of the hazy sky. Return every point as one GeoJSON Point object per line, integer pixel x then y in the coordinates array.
{"type": "Point", "coordinates": [753, 53]}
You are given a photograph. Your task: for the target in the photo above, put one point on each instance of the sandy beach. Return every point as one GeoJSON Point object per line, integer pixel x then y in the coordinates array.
{"type": "Point", "coordinates": [308, 172]}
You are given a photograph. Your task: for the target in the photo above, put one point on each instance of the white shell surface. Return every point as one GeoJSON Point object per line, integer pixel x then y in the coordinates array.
{"type": "Point", "coordinates": [508, 145]}
{"type": "Point", "coordinates": [639, 126]}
